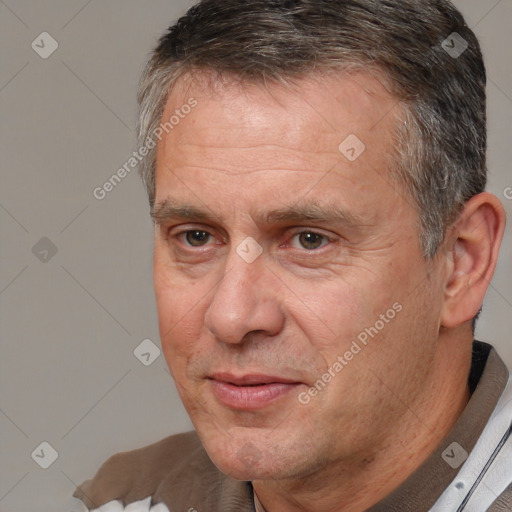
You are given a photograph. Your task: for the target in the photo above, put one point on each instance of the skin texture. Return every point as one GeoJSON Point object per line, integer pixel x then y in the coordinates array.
{"type": "Point", "coordinates": [245, 151]}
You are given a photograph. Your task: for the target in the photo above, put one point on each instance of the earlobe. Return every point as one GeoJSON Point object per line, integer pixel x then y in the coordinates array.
{"type": "Point", "coordinates": [477, 238]}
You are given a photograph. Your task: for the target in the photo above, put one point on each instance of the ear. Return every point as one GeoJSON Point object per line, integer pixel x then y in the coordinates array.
{"type": "Point", "coordinates": [476, 239]}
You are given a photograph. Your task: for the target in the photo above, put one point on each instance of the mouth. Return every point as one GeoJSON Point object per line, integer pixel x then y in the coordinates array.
{"type": "Point", "coordinates": [250, 391]}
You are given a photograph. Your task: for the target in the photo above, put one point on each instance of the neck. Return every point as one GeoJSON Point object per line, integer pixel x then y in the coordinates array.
{"type": "Point", "coordinates": [355, 486]}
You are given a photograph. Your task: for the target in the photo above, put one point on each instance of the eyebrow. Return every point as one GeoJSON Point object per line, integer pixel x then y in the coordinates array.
{"type": "Point", "coordinates": [300, 212]}
{"type": "Point", "coordinates": [312, 212]}
{"type": "Point", "coordinates": [169, 209]}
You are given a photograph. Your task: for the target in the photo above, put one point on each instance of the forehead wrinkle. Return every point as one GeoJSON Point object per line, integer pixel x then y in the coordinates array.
{"type": "Point", "coordinates": [236, 160]}
{"type": "Point", "coordinates": [287, 150]}
{"type": "Point", "coordinates": [240, 173]}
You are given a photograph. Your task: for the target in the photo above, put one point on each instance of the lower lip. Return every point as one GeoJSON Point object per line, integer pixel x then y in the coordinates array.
{"type": "Point", "coordinates": [250, 397]}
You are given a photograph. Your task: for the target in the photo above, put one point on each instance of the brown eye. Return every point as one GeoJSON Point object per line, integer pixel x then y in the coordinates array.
{"type": "Point", "coordinates": [310, 241]}
{"type": "Point", "coordinates": [197, 238]}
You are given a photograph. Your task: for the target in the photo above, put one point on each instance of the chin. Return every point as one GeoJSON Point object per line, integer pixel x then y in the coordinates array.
{"type": "Point", "coordinates": [240, 457]}
{"type": "Point", "coordinates": [241, 470]}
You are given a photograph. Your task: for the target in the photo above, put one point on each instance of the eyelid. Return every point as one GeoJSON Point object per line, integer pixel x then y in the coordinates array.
{"type": "Point", "coordinates": [177, 229]}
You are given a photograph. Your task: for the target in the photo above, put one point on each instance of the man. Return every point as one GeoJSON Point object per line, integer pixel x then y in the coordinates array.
{"type": "Point", "coordinates": [323, 244]}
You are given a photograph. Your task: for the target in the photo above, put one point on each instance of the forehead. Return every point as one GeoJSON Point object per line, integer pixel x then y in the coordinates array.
{"type": "Point", "coordinates": [327, 105]}
{"type": "Point", "coordinates": [241, 136]}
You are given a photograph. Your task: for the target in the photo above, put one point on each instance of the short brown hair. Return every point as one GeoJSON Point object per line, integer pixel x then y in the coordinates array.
{"type": "Point", "coordinates": [431, 60]}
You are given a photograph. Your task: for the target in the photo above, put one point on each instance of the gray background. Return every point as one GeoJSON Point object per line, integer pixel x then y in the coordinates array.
{"type": "Point", "coordinates": [70, 324]}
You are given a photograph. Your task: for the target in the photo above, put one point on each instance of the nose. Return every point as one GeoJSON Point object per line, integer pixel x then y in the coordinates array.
{"type": "Point", "coordinates": [244, 301]}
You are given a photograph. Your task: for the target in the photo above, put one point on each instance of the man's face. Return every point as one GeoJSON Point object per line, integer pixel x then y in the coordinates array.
{"type": "Point", "coordinates": [252, 339]}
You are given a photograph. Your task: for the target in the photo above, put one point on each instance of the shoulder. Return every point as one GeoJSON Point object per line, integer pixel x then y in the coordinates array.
{"type": "Point", "coordinates": [175, 471]}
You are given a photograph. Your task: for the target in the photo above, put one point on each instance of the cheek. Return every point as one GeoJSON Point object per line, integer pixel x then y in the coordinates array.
{"type": "Point", "coordinates": [175, 296]}
{"type": "Point", "coordinates": [366, 319]}
{"type": "Point", "coordinates": [180, 308]}
{"type": "Point", "coordinates": [332, 314]}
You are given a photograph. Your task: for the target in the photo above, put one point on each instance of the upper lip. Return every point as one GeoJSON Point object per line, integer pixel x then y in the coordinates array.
{"type": "Point", "coordinates": [250, 379]}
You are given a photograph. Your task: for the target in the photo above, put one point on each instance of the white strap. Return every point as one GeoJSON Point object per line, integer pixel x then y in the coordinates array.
{"type": "Point", "coordinates": [496, 481]}
{"type": "Point", "coordinates": [483, 478]}
{"type": "Point", "coordinates": [139, 506]}
{"type": "Point", "coordinates": [136, 506]}
{"type": "Point", "coordinates": [111, 506]}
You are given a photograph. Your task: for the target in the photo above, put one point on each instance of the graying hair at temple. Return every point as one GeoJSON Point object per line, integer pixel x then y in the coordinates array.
{"type": "Point", "coordinates": [441, 134]}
